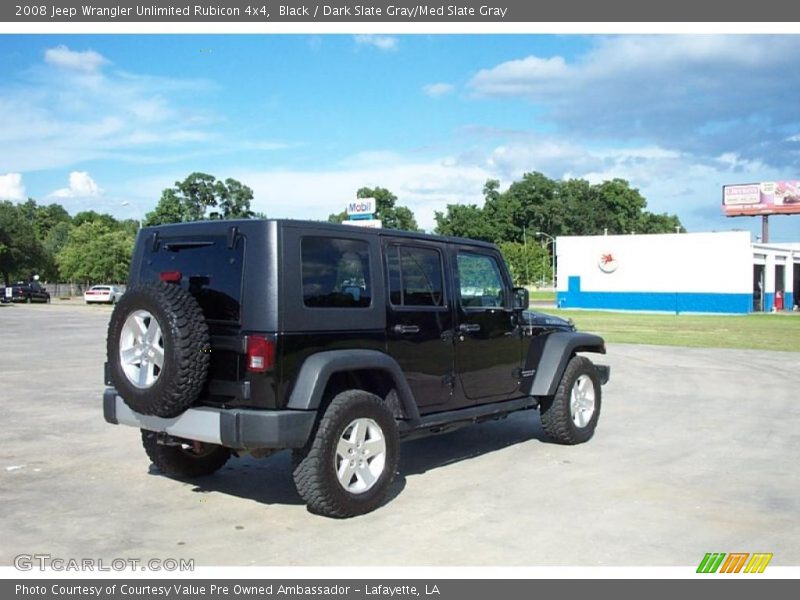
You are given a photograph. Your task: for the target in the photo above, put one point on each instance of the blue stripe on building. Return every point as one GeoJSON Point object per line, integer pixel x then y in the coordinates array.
{"type": "Point", "coordinates": [769, 301]}
{"type": "Point", "coordinates": [701, 302]}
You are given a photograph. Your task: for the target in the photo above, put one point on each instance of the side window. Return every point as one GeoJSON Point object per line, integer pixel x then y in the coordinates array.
{"type": "Point", "coordinates": [415, 276]}
{"type": "Point", "coordinates": [481, 284]}
{"type": "Point", "coordinates": [335, 273]}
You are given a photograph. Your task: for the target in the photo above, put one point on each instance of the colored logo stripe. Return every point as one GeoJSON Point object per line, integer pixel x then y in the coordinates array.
{"type": "Point", "coordinates": [758, 563]}
{"type": "Point", "coordinates": [712, 562]}
{"type": "Point", "coordinates": [734, 562]}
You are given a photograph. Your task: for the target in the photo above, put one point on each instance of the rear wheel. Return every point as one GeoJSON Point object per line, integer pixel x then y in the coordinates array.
{"type": "Point", "coordinates": [348, 467]}
{"type": "Point", "coordinates": [184, 458]}
{"type": "Point", "coordinates": [570, 417]}
{"type": "Point", "coordinates": [158, 349]}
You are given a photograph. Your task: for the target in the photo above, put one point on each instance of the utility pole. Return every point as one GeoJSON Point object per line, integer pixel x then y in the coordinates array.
{"type": "Point", "coordinates": [552, 241]}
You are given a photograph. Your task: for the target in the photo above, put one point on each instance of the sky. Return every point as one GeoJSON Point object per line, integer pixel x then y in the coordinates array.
{"type": "Point", "coordinates": [106, 122]}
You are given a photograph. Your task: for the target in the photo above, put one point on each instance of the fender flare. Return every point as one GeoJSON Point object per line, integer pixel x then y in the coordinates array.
{"type": "Point", "coordinates": [318, 368]}
{"type": "Point", "coordinates": [548, 356]}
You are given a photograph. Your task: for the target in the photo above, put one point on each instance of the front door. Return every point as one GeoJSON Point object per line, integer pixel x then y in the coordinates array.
{"type": "Point", "coordinates": [488, 342]}
{"type": "Point", "coordinates": [420, 320]}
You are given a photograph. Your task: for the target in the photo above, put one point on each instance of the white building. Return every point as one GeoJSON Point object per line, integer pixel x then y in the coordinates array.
{"type": "Point", "coordinates": [677, 272]}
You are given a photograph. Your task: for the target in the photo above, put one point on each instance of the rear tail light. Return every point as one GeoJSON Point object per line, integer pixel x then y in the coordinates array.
{"type": "Point", "coordinates": [260, 353]}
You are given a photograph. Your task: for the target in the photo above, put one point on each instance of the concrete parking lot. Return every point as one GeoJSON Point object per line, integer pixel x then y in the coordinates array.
{"type": "Point", "coordinates": [696, 451]}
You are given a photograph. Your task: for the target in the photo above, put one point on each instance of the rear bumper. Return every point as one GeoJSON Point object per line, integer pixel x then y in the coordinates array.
{"type": "Point", "coordinates": [233, 428]}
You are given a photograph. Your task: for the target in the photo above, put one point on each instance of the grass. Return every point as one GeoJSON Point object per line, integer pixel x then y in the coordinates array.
{"type": "Point", "coordinates": [758, 331]}
{"type": "Point", "coordinates": [542, 296]}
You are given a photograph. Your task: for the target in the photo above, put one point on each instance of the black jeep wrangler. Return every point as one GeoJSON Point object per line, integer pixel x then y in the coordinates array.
{"type": "Point", "coordinates": [335, 341]}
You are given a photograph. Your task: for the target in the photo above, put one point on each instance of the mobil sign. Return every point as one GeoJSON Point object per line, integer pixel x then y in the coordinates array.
{"type": "Point", "coordinates": [361, 207]}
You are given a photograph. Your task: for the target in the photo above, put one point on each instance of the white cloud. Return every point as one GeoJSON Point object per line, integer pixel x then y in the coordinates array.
{"type": "Point", "coordinates": [520, 77]}
{"type": "Point", "coordinates": [670, 180]}
{"type": "Point", "coordinates": [632, 60]}
{"type": "Point", "coordinates": [81, 185]}
{"type": "Point", "coordinates": [381, 42]}
{"type": "Point", "coordinates": [437, 90]}
{"type": "Point", "coordinates": [702, 94]}
{"type": "Point", "coordinates": [11, 187]}
{"type": "Point", "coordinates": [86, 61]}
{"type": "Point", "coordinates": [422, 186]}
{"type": "Point", "coordinates": [67, 111]}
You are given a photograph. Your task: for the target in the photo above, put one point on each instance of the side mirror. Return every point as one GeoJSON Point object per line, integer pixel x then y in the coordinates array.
{"type": "Point", "coordinates": [521, 298]}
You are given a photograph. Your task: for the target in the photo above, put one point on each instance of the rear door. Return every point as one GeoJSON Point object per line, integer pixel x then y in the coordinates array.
{"type": "Point", "coordinates": [488, 348]}
{"type": "Point", "coordinates": [420, 319]}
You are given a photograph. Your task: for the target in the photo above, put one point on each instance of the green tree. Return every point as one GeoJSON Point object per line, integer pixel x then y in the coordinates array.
{"type": "Point", "coordinates": [465, 220]}
{"type": "Point", "coordinates": [44, 218]}
{"type": "Point", "coordinates": [530, 204]}
{"type": "Point", "coordinates": [611, 206]}
{"type": "Point", "coordinates": [571, 207]}
{"type": "Point", "coordinates": [21, 253]}
{"type": "Point", "coordinates": [233, 200]}
{"type": "Point", "coordinates": [529, 263]}
{"type": "Point", "coordinates": [622, 205]}
{"type": "Point", "coordinates": [92, 216]}
{"type": "Point", "coordinates": [170, 209]}
{"type": "Point", "coordinates": [56, 238]}
{"type": "Point", "coordinates": [659, 223]}
{"type": "Point", "coordinates": [96, 253]}
{"type": "Point", "coordinates": [201, 196]}
{"type": "Point", "coordinates": [391, 215]}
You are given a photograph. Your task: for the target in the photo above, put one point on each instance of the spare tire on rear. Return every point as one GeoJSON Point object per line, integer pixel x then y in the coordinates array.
{"type": "Point", "coordinates": [158, 349]}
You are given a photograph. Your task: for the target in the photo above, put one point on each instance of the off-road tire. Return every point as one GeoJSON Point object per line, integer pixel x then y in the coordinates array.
{"type": "Point", "coordinates": [555, 412]}
{"type": "Point", "coordinates": [186, 349]}
{"type": "Point", "coordinates": [184, 462]}
{"type": "Point", "coordinates": [315, 474]}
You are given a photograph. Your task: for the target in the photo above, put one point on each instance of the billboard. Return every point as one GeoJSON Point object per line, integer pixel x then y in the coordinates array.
{"type": "Point", "coordinates": [765, 198]}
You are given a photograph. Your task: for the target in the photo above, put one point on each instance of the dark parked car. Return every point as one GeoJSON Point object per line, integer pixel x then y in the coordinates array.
{"type": "Point", "coordinates": [29, 292]}
{"type": "Point", "coordinates": [336, 342]}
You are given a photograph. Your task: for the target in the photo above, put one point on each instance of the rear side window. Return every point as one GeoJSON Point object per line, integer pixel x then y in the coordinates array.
{"type": "Point", "coordinates": [415, 276]}
{"type": "Point", "coordinates": [335, 273]}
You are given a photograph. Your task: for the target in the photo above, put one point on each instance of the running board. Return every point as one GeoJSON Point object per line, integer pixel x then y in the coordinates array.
{"type": "Point", "coordinates": [444, 421]}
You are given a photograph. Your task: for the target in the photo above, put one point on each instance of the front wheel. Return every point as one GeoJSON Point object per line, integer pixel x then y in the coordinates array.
{"type": "Point", "coordinates": [570, 417]}
{"type": "Point", "coordinates": [348, 467]}
{"type": "Point", "coordinates": [184, 458]}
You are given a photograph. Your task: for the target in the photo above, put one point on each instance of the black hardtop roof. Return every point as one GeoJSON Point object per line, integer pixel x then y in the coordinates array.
{"type": "Point", "coordinates": [297, 223]}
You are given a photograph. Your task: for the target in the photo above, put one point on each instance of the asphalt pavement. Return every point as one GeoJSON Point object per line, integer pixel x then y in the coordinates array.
{"type": "Point", "coordinates": [696, 451]}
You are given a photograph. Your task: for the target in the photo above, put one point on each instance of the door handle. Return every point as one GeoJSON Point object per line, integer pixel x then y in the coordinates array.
{"type": "Point", "coordinates": [468, 327]}
{"type": "Point", "coordinates": [401, 329]}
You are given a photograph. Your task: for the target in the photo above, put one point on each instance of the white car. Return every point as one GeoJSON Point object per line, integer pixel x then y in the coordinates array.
{"type": "Point", "coordinates": [107, 294]}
